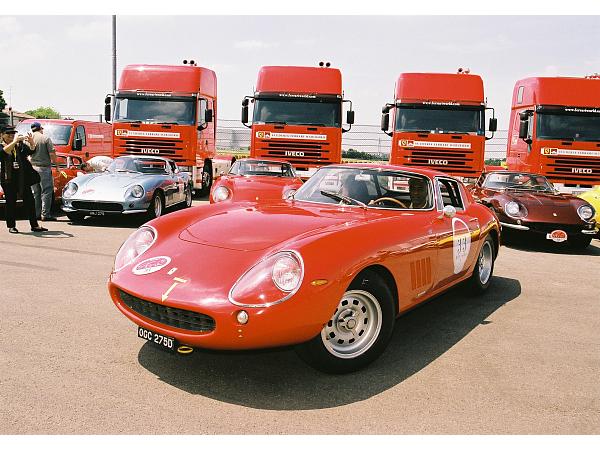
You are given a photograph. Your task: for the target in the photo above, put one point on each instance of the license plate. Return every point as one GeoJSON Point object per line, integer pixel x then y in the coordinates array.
{"type": "Point", "coordinates": [165, 342]}
{"type": "Point", "coordinates": [96, 213]}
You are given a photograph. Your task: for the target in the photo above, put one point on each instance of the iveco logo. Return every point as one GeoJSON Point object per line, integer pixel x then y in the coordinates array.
{"type": "Point", "coordinates": [288, 153]}
{"type": "Point", "coordinates": [580, 170]}
{"type": "Point", "coordinates": [439, 162]}
{"type": "Point", "coordinates": [153, 151]}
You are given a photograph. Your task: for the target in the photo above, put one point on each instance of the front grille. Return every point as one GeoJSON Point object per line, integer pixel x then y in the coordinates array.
{"type": "Point", "coordinates": [542, 227]}
{"type": "Point", "coordinates": [169, 148]}
{"type": "Point", "coordinates": [174, 317]}
{"type": "Point", "coordinates": [456, 162]}
{"type": "Point", "coordinates": [97, 206]}
{"type": "Point", "coordinates": [561, 168]}
{"type": "Point", "coordinates": [312, 153]}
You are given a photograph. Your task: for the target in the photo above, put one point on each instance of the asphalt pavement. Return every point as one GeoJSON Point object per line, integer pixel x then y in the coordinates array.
{"type": "Point", "coordinates": [523, 358]}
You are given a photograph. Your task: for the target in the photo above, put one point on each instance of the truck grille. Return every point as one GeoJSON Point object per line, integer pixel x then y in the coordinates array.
{"type": "Point", "coordinates": [97, 206]}
{"type": "Point", "coordinates": [169, 148]}
{"type": "Point", "coordinates": [306, 154]}
{"type": "Point", "coordinates": [456, 162]}
{"type": "Point", "coordinates": [562, 168]}
{"type": "Point", "coordinates": [174, 317]}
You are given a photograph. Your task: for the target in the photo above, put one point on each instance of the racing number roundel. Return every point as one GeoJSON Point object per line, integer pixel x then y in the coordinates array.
{"type": "Point", "coordinates": [461, 243]}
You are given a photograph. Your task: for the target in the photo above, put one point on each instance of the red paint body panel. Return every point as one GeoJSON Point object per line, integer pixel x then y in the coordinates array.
{"type": "Point", "coordinates": [256, 188]}
{"type": "Point", "coordinates": [540, 156]}
{"type": "Point", "coordinates": [212, 246]}
{"type": "Point", "coordinates": [456, 154]}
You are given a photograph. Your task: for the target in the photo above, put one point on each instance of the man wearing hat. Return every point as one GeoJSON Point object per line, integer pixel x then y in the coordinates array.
{"type": "Point", "coordinates": [42, 159]}
{"type": "Point", "coordinates": [16, 176]}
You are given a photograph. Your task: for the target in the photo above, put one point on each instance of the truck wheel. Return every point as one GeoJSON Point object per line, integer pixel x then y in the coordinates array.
{"type": "Point", "coordinates": [359, 330]}
{"type": "Point", "coordinates": [157, 205]}
{"type": "Point", "coordinates": [580, 242]}
{"type": "Point", "coordinates": [207, 179]}
{"type": "Point", "coordinates": [75, 216]}
{"type": "Point", "coordinates": [484, 267]}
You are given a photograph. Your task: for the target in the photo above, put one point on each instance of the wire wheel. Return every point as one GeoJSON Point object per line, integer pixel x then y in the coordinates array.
{"type": "Point", "coordinates": [485, 262]}
{"type": "Point", "coordinates": [355, 325]}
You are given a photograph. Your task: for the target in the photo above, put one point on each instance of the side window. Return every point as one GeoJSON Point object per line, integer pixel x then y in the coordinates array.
{"type": "Point", "coordinates": [80, 134]}
{"type": "Point", "coordinates": [202, 103]}
{"type": "Point", "coordinates": [520, 94]}
{"type": "Point", "coordinates": [173, 167]}
{"type": "Point", "coordinates": [449, 193]}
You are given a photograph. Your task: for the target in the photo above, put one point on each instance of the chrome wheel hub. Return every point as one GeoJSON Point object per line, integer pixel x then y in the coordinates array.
{"type": "Point", "coordinates": [354, 326]}
{"type": "Point", "coordinates": [157, 207]}
{"type": "Point", "coordinates": [485, 262]}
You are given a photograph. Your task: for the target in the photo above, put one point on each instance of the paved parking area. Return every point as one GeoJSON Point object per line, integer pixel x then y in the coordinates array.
{"type": "Point", "coordinates": [524, 358]}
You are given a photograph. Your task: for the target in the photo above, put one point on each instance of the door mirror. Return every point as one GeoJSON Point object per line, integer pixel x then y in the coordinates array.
{"type": "Point", "coordinates": [107, 108]}
{"type": "Point", "coordinates": [77, 144]}
{"type": "Point", "coordinates": [208, 115]}
{"type": "Point", "coordinates": [449, 211]}
{"type": "Point", "coordinates": [385, 121]}
{"type": "Point", "coordinates": [245, 111]}
{"type": "Point", "coordinates": [523, 129]}
{"type": "Point", "coordinates": [350, 117]}
{"type": "Point", "coordinates": [493, 124]}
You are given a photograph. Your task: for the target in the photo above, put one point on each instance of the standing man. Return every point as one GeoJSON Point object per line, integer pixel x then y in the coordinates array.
{"type": "Point", "coordinates": [17, 176]}
{"type": "Point", "coordinates": [42, 159]}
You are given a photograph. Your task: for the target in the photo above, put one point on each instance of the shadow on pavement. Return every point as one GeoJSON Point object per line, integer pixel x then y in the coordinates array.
{"type": "Point", "coordinates": [279, 380]}
{"type": "Point", "coordinates": [539, 245]}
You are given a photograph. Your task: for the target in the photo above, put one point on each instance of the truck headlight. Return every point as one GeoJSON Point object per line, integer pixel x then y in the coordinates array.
{"type": "Point", "coordinates": [69, 190]}
{"type": "Point", "coordinates": [137, 191]}
{"type": "Point", "coordinates": [136, 244]}
{"type": "Point", "coordinates": [586, 212]}
{"type": "Point", "coordinates": [221, 194]}
{"type": "Point", "coordinates": [271, 281]}
{"type": "Point", "coordinates": [515, 210]}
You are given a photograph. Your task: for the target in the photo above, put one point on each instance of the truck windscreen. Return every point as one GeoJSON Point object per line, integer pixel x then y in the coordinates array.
{"type": "Point", "coordinates": [180, 112]}
{"type": "Point", "coordinates": [447, 120]}
{"type": "Point", "coordinates": [294, 112]}
{"type": "Point", "coordinates": [576, 127]}
{"type": "Point", "coordinates": [59, 134]}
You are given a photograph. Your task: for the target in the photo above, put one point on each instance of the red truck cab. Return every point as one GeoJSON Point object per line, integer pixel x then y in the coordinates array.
{"type": "Point", "coordinates": [439, 122]}
{"type": "Point", "coordinates": [78, 137]}
{"type": "Point", "coordinates": [170, 111]}
{"type": "Point", "coordinates": [297, 116]}
{"type": "Point", "coordinates": [554, 129]}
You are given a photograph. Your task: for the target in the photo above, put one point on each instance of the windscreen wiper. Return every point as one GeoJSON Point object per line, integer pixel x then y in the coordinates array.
{"type": "Point", "coordinates": [168, 123]}
{"type": "Point", "coordinates": [343, 198]}
{"type": "Point", "coordinates": [276, 122]}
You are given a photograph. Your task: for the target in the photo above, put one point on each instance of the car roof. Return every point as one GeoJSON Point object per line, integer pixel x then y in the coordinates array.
{"type": "Point", "coordinates": [417, 170]}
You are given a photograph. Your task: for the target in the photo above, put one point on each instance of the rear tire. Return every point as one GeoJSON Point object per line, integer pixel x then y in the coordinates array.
{"type": "Point", "coordinates": [157, 206]}
{"type": "Point", "coordinates": [207, 179]}
{"type": "Point", "coordinates": [359, 330]}
{"type": "Point", "coordinates": [484, 267]}
{"type": "Point", "coordinates": [580, 242]}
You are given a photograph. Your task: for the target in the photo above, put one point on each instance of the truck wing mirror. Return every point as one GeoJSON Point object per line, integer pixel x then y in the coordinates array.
{"type": "Point", "coordinates": [493, 124]}
{"type": "Point", "coordinates": [107, 108]}
{"type": "Point", "coordinates": [208, 115]}
{"type": "Point", "coordinates": [350, 117]}
{"type": "Point", "coordinates": [385, 122]}
{"type": "Point", "coordinates": [523, 129]}
{"type": "Point", "coordinates": [245, 112]}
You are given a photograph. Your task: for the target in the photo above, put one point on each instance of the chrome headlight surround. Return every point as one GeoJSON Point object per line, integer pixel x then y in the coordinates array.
{"type": "Point", "coordinates": [515, 210]}
{"type": "Point", "coordinates": [70, 190]}
{"type": "Point", "coordinates": [269, 282]}
{"type": "Point", "coordinates": [134, 246]}
{"type": "Point", "coordinates": [221, 194]}
{"type": "Point", "coordinates": [136, 191]}
{"type": "Point", "coordinates": [586, 212]}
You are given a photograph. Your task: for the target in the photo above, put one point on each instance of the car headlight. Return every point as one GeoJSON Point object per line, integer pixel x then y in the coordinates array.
{"type": "Point", "coordinates": [69, 190]}
{"type": "Point", "coordinates": [137, 191]}
{"type": "Point", "coordinates": [273, 280]}
{"type": "Point", "coordinates": [136, 244]}
{"type": "Point", "coordinates": [220, 194]}
{"type": "Point", "coordinates": [586, 212]}
{"type": "Point", "coordinates": [515, 210]}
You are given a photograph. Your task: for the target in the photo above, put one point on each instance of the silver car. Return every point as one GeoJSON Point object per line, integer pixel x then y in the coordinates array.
{"type": "Point", "coordinates": [130, 184]}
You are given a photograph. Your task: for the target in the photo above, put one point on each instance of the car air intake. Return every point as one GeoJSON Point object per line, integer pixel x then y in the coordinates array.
{"type": "Point", "coordinates": [174, 317]}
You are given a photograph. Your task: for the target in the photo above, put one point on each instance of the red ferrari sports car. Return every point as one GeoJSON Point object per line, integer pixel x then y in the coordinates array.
{"type": "Point", "coordinates": [528, 203]}
{"type": "Point", "coordinates": [256, 179]}
{"type": "Point", "coordinates": [328, 269]}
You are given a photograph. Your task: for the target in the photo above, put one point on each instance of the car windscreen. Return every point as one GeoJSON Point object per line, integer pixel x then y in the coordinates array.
{"type": "Point", "coordinates": [266, 168]}
{"type": "Point", "coordinates": [317, 112]}
{"type": "Point", "coordinates": [576, 127]}
{"type": "Point", "coordinates": [515, 180]}
{"type": "Point", "coordinates": [369, 188]}
{"type": "Point", "coordinates": [139, 165]}
{"type": "Point", "coordinates": [181, 112]}
{"type": "Point", "coordinates": [59, 134]}
{"type": "Point", "coordinates": [440, 120]}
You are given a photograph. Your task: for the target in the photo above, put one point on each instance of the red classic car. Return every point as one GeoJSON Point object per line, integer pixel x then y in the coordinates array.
{"type": "Point", "coordinates": [69, 167]}
{"type": "Point", "coordinates": [256, 179]}
{"type": "Point", "coordinates": [328, 269]}
{"type": "Point", "coordinates": [528, 203]}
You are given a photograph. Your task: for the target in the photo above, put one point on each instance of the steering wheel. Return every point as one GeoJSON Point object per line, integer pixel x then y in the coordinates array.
{"type": "Point", "coordinates": [385, 199]}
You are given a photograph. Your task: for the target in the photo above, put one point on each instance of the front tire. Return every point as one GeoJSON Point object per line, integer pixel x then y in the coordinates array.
{"type": "Point", "coordinates": [359, 330]}
{"type": "Point", "coordinates": [157, 206]}
{"type": "Point", "coordinates": [580, 242]}
{"type": "Point", "coordinates": [484, 267]}
{"type": "Point", "coordinates": [207, 179]}
{"type": "Point", "coordinates": [75, 216]}
{"type": "Point", "coordinates": [188, 196]}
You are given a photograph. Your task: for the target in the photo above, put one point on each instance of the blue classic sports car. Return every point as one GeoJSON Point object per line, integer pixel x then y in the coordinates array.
{"type": "Point", "coordinates": [130, 184]}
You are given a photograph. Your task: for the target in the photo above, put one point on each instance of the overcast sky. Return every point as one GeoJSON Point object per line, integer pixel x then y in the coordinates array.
{"type": "Point", "coordinates": [66, 61]}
